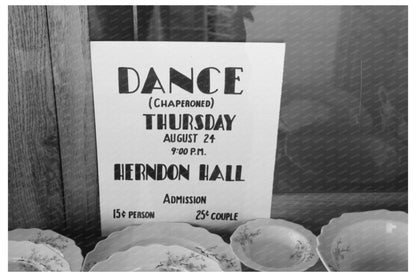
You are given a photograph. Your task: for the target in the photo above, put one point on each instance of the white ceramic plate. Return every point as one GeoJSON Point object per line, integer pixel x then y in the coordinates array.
{"type": "Point", "coordinates": [157, 257]}
{"type": "Point", "coordinates": [182, 234]}
{"type": "Point", "coordinates": [62, 245]}
{"type": "Point", "coordinates": [365, 241]}
{"type": "Point", "coordinates": [274, 245]}
{"type": "Point", "coordinates": [28, 256]}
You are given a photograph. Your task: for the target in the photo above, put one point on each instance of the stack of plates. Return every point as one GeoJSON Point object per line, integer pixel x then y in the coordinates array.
{"type": "Point", "coordinates": [42, 250]}
{"type": "Point", "coordinates": [363, 241]}
{"type": "Point", "coordinates": [162, 247]}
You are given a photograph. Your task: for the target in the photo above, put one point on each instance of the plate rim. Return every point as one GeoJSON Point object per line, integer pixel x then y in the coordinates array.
{"type": "Point", "coordinates": [346, 219]}
{"type": "Point", "coordinates": [32, 245]}
{"type": "Point", "coordinates": [71, 242]}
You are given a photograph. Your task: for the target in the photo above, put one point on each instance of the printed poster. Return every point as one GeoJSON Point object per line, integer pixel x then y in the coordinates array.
{"type": "Point", "coordinates": [186, 131]}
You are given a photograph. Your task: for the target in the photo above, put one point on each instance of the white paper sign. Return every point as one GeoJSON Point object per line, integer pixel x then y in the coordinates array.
{"type": "Point", "coordinates": [186, 131]}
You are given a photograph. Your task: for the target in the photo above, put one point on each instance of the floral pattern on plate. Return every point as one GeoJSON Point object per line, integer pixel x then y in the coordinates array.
{"type": "Point", "coordinates": [228, 263]}
{"type": "Point", "coordinates": [245, 237]}
{"type": "Point", "coordinates": [176, 262]}
{"type": "Point", "coordinates": [303, 251]}
{"type": "Point", "coordinates": [157, 257]}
